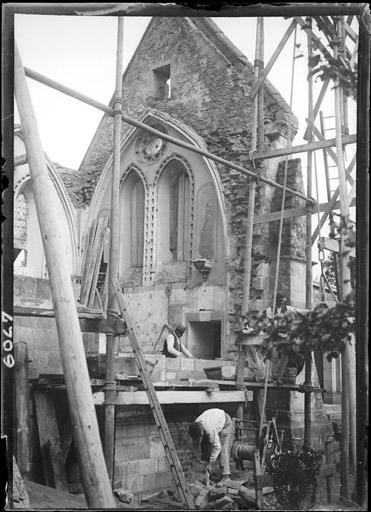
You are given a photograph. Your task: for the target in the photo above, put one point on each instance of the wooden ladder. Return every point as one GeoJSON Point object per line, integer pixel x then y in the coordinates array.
{"type": "Point", "coordinates": [154, 403]}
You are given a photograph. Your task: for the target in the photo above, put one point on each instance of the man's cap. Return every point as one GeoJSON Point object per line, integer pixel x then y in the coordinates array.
{"type": "Point", "coordinates": [180, 327]}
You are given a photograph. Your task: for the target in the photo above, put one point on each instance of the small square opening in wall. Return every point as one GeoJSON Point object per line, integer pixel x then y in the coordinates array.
{"type": "Point", "coordinates": [204, 339]}
{"type": "Point", "coordinates": [162, 82]}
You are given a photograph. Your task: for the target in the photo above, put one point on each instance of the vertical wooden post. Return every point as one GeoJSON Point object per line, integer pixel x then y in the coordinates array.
{"type": "Point", "coordinates": [22, 402]}
{"type": "Point", "coordinates": [257, 136]}
{"type": "Point", "coordinates": [83, 417]}
{"type": "Point", "coordinates": [362, 260]}
{"type": "Point", "coordinates": [50, 441]}
{"type": "Point", "coordinates": [348, 360]}
{"type": "Point", "coordinates": [113, 267]}
{"type": "Point", "coordinates": [256, 131]}
{"type": "Point", "coordinates": [308, 250]}
{"type": "Point", "coordinates": [259, 500]}
{"type": "Point", "coordinates": [329, 478]}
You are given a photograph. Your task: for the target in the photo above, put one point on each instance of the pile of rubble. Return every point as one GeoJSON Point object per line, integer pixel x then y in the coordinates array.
{"type": "Point", "coordinates": [233, 495]}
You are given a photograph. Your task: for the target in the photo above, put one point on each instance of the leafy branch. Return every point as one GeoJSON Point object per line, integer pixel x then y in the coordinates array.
{"type": "Point", "coordinates": [299, 332]}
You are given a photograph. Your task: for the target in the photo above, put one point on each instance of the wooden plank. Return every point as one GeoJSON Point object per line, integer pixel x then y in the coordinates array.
{"type": "Point", "coordinates": [50, 444]}
{"type": "Point", "coordinates": [172, 397]}
{"type": "Point", "coordinates": [49, 313]}
{"type": "Point", "coordinates": [93, 268]}
{"type": "Point", "coordinates": [332, 245]}
{"type": "Point", "coordinates": [22, 402]}
{"type": "Point", "coordinates": [97, 260]}
{"type": "Point", "coordinates": [303, 148]}
{"type": "Point", "coordinates": [87, 262]}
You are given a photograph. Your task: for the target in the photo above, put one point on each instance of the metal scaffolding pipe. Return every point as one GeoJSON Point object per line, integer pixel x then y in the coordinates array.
{"type": "Point", "coordinates": [113, 266]}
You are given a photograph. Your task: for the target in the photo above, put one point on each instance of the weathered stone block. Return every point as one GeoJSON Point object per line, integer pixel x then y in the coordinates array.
{"type": "Point", "coordinates": [91, 342]}
{"type": "Point", "coordinates": [148, 466]}
{"type": "Point", "coordinates": [172, 363]}
{"type": "Point", "coordinates": [43, 293]}
{"type": "Point", "coordinates": [135, 483]}
{"type": "Point", "coordinates": [133, 448]}
{"type": "Point", "coordinates": [163, 464]}
{"type": "Point", "coordinates": [149, 482]}
{"type": "Point", "coordinates": [54, 360]}
{"type": "Point", "coordinates": [187, 364]}
{"type": "Point", "coordinates": [164, 480]}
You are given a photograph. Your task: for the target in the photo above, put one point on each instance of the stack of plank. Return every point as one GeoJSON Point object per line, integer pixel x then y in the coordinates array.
{"type": "Point", "coordinates": [95, 247]}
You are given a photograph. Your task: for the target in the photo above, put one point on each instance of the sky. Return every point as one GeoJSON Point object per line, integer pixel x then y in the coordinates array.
{"type": "Point", "coordinates": [80, 52]}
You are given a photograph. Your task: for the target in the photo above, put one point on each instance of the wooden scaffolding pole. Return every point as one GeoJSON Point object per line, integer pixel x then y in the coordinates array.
{"type": "Point", "coordinates": [257, 133]}
{"type": "Point", "coordinates": [348, 359]}
{"type": "Point", "coordinates": [257, 139]}
{"type": "Point", "coordinates": [263, 75]}
{"type": "Point", "coordinates": [362, 260]}
{"type": "Point", "coordinates": [113, 266]}
{"type": "Point", "coordinates": [83, 417]}
{"type": "Point", "coordinates": [308, 251]}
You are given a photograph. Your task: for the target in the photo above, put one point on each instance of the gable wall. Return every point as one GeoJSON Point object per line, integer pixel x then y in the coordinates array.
{"type": "Point", "coordinates": [210, 95]}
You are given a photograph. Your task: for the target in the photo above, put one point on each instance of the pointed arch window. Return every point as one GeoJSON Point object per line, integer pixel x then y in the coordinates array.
{"type": "Point", "coordinates": [174, 209]}
{"type": "Point", "coordinates": [179, 217]}
{"type": "Point", "coordinates": [132, 206]}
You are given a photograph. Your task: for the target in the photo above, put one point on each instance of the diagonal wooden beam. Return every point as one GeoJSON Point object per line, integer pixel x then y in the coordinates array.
{"type": "Point", "coordinates": [331, 153]}
{"type": "Point", "coordinates": [273, 59]}
{"type": "Point", "coordinates": [350, 32]}
{"type": "Point", "coordinates": [303, 148]}
{"type": "Point", "coordinates": [299, 212]}
{"type": "Point", "coordinates": [318, 104]}
{"type": "Point", "coordinates": [331, 203]}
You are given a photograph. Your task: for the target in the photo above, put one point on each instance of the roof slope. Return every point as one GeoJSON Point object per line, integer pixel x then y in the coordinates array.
{"type": "Point", "coordinates": [72, 182]}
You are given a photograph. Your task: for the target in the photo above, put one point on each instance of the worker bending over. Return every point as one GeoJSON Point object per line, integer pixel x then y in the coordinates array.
{"type": "Point", "coordinates": [213, 433]}
{"type": "Point", "coordinates": [173, 346]}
